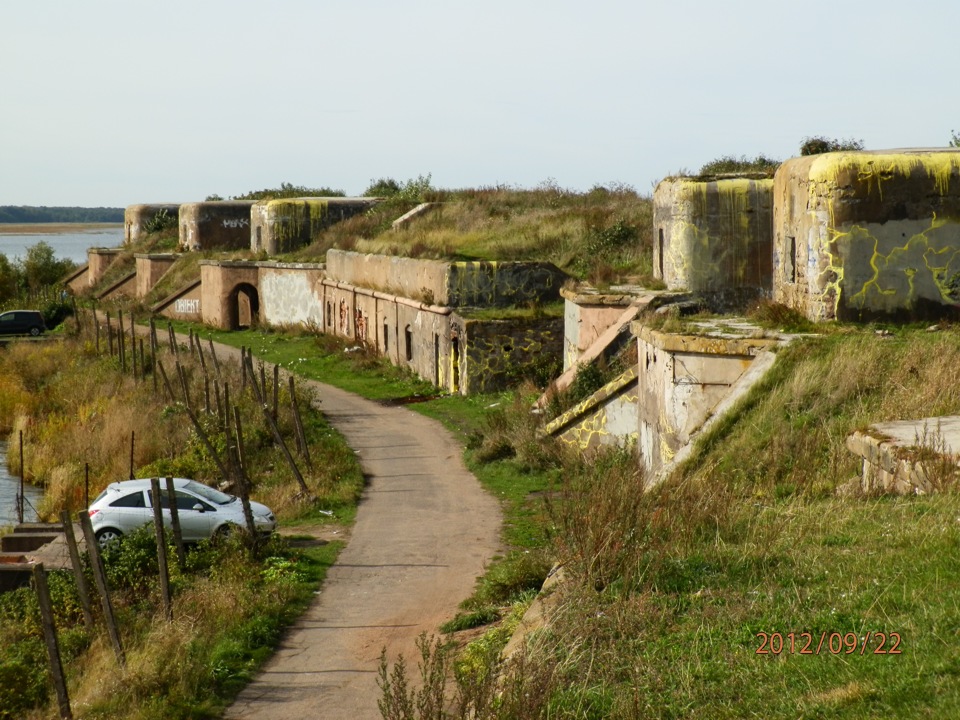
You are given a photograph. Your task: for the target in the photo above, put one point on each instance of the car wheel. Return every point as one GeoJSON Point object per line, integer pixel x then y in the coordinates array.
{"type": "Point", "coordinates": [34, 331]}
{"type": "Point", "coordinates": [224, 532]}
{"type": "Point", "coordinates": [105, 536]}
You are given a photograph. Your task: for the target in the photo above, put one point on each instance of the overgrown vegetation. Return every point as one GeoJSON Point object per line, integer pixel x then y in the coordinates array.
{"type": "Point", "coordinates": [731, 164]}
{"type": "Point", "coordinates": [286, 190]}
{"type": "Point", "coordinates": [820, 144]}
{"type": "Point", "coordinates": [229, 610]}
{"type": "Point", "coordinates": [670, 591]}
{"type": "Point", "coordinates": [602, 235]}
{"type": "Point", "coordinates": [75, 408]}
{"type": "Point", "coordinates": [40, 270]}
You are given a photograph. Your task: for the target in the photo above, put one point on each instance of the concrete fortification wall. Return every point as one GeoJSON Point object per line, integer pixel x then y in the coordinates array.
{"type": "Point", "coordinates": [221, 225]}
{"type": "Point", "coordinates": [136, 217]}
{"type": "Point", "coordinates": [280, 226]}
{"type": "Point", "coordinates": [714, 235]}
{"type": "Point", "coordinates": [291, 294]}
{"type": "Point", "coordinates": [864, 235]}
{"type": "Point", "coordinates": [451, 284]}
{"type": "Point", "coordinates": [150, 268]}
{"type": "Point", "coordinates": [409, 277]}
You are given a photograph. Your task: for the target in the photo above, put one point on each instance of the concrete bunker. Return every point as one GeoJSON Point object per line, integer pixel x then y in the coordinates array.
{"type": "Point", "coordinates": [136, 218]}
{"type": "Point", "coordinates": [869, 235]}
{"type": "Point", "coordinates": [714, 234]}
{"type": "Point", "coordinates": [221, 225]}
{"type": "Point", "coordinates": [283, 225]}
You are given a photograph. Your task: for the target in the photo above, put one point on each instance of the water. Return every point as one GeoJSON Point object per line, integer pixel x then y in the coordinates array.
{"type": "Point", "coordinates": [9, 487]}
{"type": "Point", "coordinates": [67, 242]}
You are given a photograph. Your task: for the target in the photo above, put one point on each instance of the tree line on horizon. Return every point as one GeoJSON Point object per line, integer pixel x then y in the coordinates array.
{"type": "Point", "coordinates": [44, 214]}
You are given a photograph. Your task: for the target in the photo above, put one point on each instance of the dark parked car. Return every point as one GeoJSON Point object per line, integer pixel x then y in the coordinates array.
{"type": "Point", "coordinates": [21, 322]}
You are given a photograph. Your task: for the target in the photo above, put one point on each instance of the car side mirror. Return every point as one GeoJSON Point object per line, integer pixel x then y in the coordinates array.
{"type": "Point", "coordinates": [198, 507]}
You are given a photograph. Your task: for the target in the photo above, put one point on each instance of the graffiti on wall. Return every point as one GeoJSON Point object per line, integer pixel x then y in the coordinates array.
{"type": "Point", "coordinates": [187, 307]}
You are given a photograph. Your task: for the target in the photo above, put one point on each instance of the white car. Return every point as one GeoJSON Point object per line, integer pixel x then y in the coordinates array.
{"type": "Point", "coordinates": [203, 512]}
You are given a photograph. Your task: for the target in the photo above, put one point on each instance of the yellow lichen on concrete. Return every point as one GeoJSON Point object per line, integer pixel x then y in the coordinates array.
{"type": "Point", "coordinates": [296, 219]}
{"type": "Point", "coordinates": [875, 169]}
{"type": "Point", "coordinates": [716, 232]}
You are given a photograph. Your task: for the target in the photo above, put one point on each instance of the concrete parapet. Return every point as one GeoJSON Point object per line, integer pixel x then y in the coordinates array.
{"type": "Point", "coordinates": [24, 542]}
{"type": "Point", "coordinates": [150, 268]}
{"type": "Point", "coordinates": [908, 457]}
{"type": "Point", "coordinates": [99, 261]}
{"type": "Point", "coordinates": [419, 211]}
{"type": "Point", "coordinates": [608, 417]}
{"type": "Point", "coordinates": [682, 381]}
{"type": "Point", "coordinates": [450, 284]}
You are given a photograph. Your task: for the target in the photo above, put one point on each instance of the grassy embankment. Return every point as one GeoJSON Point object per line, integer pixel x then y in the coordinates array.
{"type": "Point", "coordinates": [230, 607]}
{"type": "Point", "coordinates": [667, 591]}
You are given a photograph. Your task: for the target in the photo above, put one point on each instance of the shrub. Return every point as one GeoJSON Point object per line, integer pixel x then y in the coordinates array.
{"type": "Point", "coordinates": [160, 222]}
{"type": "Point", "coordinates": [729, 164]}
{"type": "Point", "coordinates": [818, 144]}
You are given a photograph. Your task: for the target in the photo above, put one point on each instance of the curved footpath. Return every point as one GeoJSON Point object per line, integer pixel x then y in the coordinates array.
{"type": "Point", "coordinates": [425, 530]}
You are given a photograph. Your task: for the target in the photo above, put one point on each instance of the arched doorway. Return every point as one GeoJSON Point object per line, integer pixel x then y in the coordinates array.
{"type": "Point", "coordinates": [243, 307]}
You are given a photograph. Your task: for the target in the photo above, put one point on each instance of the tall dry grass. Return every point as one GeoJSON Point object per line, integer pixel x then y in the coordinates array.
{"type": "Point", "coordinates": [76, 410]}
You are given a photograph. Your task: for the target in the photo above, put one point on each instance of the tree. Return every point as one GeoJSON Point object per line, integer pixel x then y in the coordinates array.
{"type": "Point", "coordinates": [9, 279]}
{"type": "Point", "coordinates": [954, 139]}
{"type": "Point", "coordinates": [41, 267]}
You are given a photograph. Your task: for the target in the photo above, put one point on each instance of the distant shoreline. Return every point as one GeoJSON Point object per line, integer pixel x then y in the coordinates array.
{"type": "Point", "coordinates": [54, 227]}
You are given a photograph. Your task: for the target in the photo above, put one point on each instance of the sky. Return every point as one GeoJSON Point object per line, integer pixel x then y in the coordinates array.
{"type": "Point", "coordinates": [119, 102]}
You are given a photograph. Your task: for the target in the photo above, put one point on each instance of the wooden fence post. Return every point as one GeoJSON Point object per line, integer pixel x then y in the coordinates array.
{"type": "Point", "coordinates": [50, 638]}
{"type": "Point", "coordinates": [83, 590]}
{"type": "Point", "coordinates": [162, 546]}
{"type": "Point", "coordinates": [298, 423]}
{"type": "Point", "coordinates": [276, 391]}
{"type": "Point", "coordinates": [175, 524]}
{"type": "Point", "coordinates": [216, 362]}
{"type": "Point", "coordinates": [277, 435]}
{"type": "Point", "coordinates": [100, 577]}
{"type": "Point", "coordinates": [244, 480]}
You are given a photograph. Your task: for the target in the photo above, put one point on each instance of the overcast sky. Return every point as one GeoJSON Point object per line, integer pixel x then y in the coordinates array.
{"type": "Point", "coordinates": [117, 102]}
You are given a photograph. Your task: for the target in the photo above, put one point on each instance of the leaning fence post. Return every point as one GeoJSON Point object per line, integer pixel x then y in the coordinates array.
{"type": "Point", "coordinates": [50, 638]}
{"type": "Point", "coordinates": [100, 576]}
{"type": "Point", "coordinates": [83, 590]}
{"type": "Point", "coordinates": [162, 546]}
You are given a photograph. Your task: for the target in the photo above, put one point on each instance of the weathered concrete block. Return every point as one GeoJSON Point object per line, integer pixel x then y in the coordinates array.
{"type": "Point", "coordinates": [714, 235]}
{"type": "Point", "coordinates": [283, 225]}
{"type": "Point", "coordinates": [221, 225]}
{"type": "Point", "coordinates": [136, 217]}
{"type": "Point", "coordinates": [867, 235]}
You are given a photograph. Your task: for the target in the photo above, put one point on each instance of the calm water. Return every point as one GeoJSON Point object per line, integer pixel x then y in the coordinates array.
{"type": "Point", "coordinates": [71, 245]}
{"type": "Point", "coordinates": [9, 487]}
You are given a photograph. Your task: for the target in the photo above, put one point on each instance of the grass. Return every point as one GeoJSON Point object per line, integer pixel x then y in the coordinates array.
{"type": "Point", "coordinates": [670, 593]}
{"type": "Point", "coordinates": [75, 406]}
{"type": "Point", "coordinates": [548, 223]}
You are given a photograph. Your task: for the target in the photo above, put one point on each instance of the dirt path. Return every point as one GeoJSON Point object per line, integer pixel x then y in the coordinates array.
{"type": "Point", "coordinates": [425, 530]}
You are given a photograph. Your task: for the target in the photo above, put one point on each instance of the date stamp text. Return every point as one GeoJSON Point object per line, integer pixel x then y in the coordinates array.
{"type": "Point", "coordinates": [832, 643]}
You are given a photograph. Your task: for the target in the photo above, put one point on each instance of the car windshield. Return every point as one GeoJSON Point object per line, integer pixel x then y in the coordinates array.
{"type": "Point", "coordinates": [208, 493]}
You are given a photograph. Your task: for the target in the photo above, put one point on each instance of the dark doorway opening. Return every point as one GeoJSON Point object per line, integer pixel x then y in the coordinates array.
{"type": "Point", "coordinates": [243, 307]}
